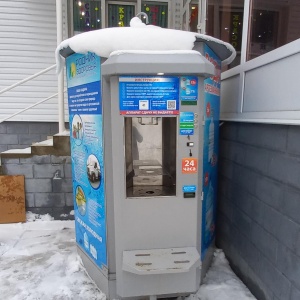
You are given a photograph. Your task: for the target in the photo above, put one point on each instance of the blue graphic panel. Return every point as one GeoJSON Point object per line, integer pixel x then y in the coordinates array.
{"type": "Point", "coordinates": [85, 99]}
{"type": "Point", "coordinates": [210, 151]}
{"type": "Point", "coordinates": [189, 89]}
{"type": "Point", "coordinates": [145, 95]}
{"type": "Point", "coordinates": [186, 123]}
{"type": "Point", "coordinates": [85, 110]}
{"type": "Point", "coordinates": [82, 69]}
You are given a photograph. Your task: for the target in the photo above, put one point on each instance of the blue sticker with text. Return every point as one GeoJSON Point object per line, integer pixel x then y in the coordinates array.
{"type": "Point", "coordinates": [189, 188]}
{"type": "Point", "coordinates": [186, 123]}
{"type": "Point", "coordinates": [189, 88]}
{"type": "Point", "coordinates": [147, 95]}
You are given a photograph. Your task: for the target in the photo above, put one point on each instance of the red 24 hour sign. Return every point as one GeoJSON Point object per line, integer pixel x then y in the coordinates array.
{"type": "Point", "coordinates": [189, 165]}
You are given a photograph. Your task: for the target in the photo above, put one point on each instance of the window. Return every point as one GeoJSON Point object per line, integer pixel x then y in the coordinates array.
{"type": "Point", "coordinates": [193, 17]}
{"type": "Point", "coordinates": [273, 23]}
{"type": "Point", "coordinates": [225, 22]}
{"type": "Point", "coordinates": [157, 13]}
{"type": "Point", "coordinates": [119, 15]}
{"type": "Point", "coordinates": [86, 15]}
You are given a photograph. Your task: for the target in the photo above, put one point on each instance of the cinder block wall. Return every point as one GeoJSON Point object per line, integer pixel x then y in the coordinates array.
{"type": "Point", "coordinates": [48, 183]}
{"type": "Point", "coordinates": [19, 135]}
{"type": "Point", "coordinates": [259, 206]}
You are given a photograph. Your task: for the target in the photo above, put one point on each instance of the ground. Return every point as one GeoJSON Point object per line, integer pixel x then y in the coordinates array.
{"type": "Point", "coordinates": [38, 260]}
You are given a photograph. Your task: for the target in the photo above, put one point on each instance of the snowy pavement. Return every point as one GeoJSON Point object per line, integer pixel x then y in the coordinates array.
{"type": "Point", "coordinates": [38, 260]}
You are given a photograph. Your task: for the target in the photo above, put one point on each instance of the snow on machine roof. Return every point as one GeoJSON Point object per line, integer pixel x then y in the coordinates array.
{"type": "Point", "coordinates": [139, 37]}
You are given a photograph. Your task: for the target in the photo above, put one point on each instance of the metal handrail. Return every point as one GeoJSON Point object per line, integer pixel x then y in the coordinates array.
{"type": "Point", "coordinates": [27, 79]}
{"type": "Point", "coordinates": [24, 81]}
{"type": "Point", "coordinates": [29, 107]}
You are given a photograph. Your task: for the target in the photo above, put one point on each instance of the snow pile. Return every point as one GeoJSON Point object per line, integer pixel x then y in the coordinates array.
{"type": "Point", "coordinates": [138, 36]}
{"type": "Point", "coordinates": [3, 248]}
{"type": "Point", "coordinates": [221, 283]}
{"type": "Point", "coordinates": [32, 217]}
{"type": "Point", "coordinates": [41, 263]}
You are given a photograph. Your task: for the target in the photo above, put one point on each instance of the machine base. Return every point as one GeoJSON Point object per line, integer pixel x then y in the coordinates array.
{"type": "Point", "coordinates": [107, 284]}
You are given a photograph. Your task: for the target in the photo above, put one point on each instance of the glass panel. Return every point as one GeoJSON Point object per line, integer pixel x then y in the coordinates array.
{"type": "Point", "coordinates": [157, 13]}
{"type": "Point", "coordinates": [150, 152]}
{"type": "Point", "coordinates": [273, 23]}
{"type": "Point", "coordinates": [225, 22]}
{"type": "Point", "coordinates": [193, 17]}
{"type": "Point", "coordinates": [119, 15]}
{"type": "Point", "coordinates": [86, 15]}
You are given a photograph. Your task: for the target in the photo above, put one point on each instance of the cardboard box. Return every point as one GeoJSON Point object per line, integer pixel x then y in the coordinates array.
{"type": "Point", "coordinates": [12, 199]}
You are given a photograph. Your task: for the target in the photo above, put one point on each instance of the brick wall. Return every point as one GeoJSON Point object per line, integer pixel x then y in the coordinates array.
{"type": "Point", "coordinates": [259, 206]}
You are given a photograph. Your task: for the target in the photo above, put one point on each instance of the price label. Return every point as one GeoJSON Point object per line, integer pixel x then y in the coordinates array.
{"type": "Point", "coordinates": [189, 165]}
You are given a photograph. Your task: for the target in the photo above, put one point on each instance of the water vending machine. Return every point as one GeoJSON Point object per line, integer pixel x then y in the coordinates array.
{"type": "Point", "coordinates": [144, 144]}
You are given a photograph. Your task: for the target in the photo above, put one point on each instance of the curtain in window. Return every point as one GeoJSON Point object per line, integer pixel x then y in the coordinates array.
{"type": "Point", "coordinates": [157, 13]}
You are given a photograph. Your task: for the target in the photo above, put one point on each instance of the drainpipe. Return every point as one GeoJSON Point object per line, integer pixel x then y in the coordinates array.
{"type": "Point", "coordinates": [202, 11]}
{"type": "Point", "coordinates": [60, 79]}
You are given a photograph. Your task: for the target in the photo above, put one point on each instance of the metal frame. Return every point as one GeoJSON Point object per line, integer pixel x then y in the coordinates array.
{"type": "Point", "coordinates": [70, 18]}
{"type": "Point", "coordinates": [202, 11]}
{"type": "Point", "coordinates": [185, 15]}
{"type": "Point", "coordinates": [60, 77]}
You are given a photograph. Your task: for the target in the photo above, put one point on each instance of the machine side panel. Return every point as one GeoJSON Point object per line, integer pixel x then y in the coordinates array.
{"type": "Point", "coordinates": [109, 183]}
{"type": "Point", "coordinates": [210, 151]}
{"type": "Point", "coordinates": [85, 110]}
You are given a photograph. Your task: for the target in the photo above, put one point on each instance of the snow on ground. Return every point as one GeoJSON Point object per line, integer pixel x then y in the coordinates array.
{"type": "Point", "coordinates": [221, 283]}
{"type": "Point", "coordinates": [38, 260]}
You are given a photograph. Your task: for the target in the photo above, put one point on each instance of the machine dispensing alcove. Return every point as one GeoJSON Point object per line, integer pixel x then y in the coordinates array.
{"type": "Point", "coordinates": [150, 151]}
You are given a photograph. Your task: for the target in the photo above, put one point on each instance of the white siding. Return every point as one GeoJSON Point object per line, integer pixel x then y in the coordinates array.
{"type": "Point", "coordinates": [27, 45]}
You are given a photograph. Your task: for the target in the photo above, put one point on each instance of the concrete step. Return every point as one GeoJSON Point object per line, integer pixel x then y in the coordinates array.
{"type": "Point", "coordinates": [58, 145]}
{"type": "Point", "coordinates": [61, 141]}
{"type": "Point", "coordinates": [42, 148]}
{"type": "Point", "coordinates": [17, 153]}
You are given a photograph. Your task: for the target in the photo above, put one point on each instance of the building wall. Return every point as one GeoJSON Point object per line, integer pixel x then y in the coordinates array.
{"type": "Point", "coordinates": [28, 43]}
{"type": "Point", "coordinates": [19, 135]}
{"type": "Point", "coordinates": [258, 206]}
{"type": "Point", "coordinates": [254, 91]}
{"type": "Point", "coordinates": [48, 182]}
